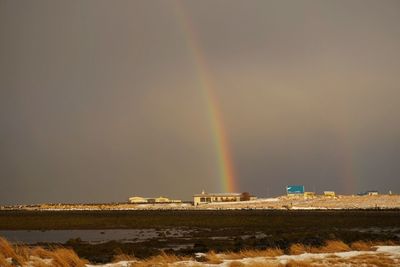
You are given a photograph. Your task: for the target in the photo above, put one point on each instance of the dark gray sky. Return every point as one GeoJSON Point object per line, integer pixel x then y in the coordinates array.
{"type": "Point", "coordinates": [100, 100]}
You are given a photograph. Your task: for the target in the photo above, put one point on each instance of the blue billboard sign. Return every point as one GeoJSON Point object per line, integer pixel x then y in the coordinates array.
{"type": "Point", "coordinates": [295, 189]}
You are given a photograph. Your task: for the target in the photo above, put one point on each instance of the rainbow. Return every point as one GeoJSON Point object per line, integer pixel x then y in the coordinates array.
{"type": "Point", "coordinates": [220, 139]}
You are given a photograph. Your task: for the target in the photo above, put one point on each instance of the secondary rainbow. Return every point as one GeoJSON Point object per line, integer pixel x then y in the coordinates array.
{"type": "Point", "coordinates": [225, 165]}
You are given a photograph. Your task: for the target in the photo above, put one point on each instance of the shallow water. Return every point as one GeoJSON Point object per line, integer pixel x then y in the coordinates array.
{"type": "Point", "coordinates": [92, 236]}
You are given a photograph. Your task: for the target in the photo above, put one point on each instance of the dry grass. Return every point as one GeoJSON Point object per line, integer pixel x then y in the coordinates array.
{"type": "Point", "coordinates": [252, 253]}
{"type": "Point", "coordinates": [41, 253]}
{"type": "Point", "coordinates": [38, 262]}
{"type": "Point", "coordinates": [213, 258]}
{"type": "Point", "coordinates": [263, 264]}
{"type": "Point", "coordinates": [385, 243]}
{"type": "Point", "coordinates": [236, 264]}
{"type": "Point", "coordinates": [329, 247]}
{"type": "Point", "coordinates": [333, 246]}
{"type": "Point", "coordinates": [380, 259]}
{"type": "Point", "coordinates": [4, 262]}
{"type": "Point", "coordinates": [22, 255]}
{"type": "Point", "coordinates": [185, 264]}
{"type": "Point", "coordinates": [15, 255]}
{"type": "Point", "coordinates": [60, 257]}
{"type": "Point", "coordinates": [362, 246]}
{"type": "Point", "coordinates": [63, 257]}
{"type": "Point", "coordinates": [6, 248]}
{"type": "Point", "coordinates": [303, 263]}
{"type": "Point", "coordinates": [23, 252]}
{"type": "Point", "coordinates": [297, 249]}
{"type": "Point", "coordinates": [8, 251]}
{"type": "Point", "coordinates": [373, 260]}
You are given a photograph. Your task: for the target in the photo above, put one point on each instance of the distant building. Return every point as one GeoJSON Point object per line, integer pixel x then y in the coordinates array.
{"type": "Point", "coordinates": [329, 194]}
{"type": "Point", "coordinates": [161, 200]}
{"type": "Point", "coordinates": [166, 200]}
{"type": "Point", "coordinates": [309, 194]}
{"type": "Point", "coordinates": [372, 193]}
{"type": "Point", "coordinates": [205, 198]}
{"type": "Point", "coordinates": [295, 190]}
{"type": "Point", "coordinates": [369, 193]}
{"type": "Point", "coordinates": [138, 200]}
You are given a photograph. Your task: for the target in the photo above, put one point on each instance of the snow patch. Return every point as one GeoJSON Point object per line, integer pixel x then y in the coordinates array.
{"type": "Point", "coordinates": [390, 251]}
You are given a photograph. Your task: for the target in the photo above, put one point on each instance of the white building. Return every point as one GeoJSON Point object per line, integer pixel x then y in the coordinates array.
{"type": "Point", "coordinates": [205, 198]}
{"type": "Point", "coordinates": [137, 200]}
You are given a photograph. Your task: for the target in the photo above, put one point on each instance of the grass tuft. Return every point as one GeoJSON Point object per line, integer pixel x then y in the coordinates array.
{"type": "Point", "coordinates": [236, 264]}
{"type": "Point", "coordinates": [9, 251]}
{"type": "Point", "coordinates": [297, 249]}
{"type": "Point", "coordinates": [334, 246]}
{"type": "Point", "coordinates": [213, 258]}
{"type": "Point", "coordinates": [362, 246]}
{"type": "Point", "coordinates": [41, 253]}
{"type": "Point", "coordinates": [38, 262]}
{"type": "Point", "coordinates": [329, 247]}
{"type": "Point", "coordinates": [17, 255]}
{"type": "Point", "coordinates": [23, 256]}
{"type": "Point", "coordinates": [62, 257]}
{"type": "Point", "coordinates": [4, 262]}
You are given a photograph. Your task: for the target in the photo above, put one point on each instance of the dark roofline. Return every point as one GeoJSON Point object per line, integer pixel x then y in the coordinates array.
{"type": "Point", "coordinates": [218, 195]}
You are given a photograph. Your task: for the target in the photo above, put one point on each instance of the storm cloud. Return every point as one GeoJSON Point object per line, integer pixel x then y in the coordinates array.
{"type": "Point", "coordinates": [101, 100]}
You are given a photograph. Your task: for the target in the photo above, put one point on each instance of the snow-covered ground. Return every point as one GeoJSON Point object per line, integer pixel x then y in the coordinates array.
{"type": "Point", "coordinates": [382, 256]}
{"type": "Point", "coordinates": [387, 255]}
{"type": "Point", "coordinates": [282, 202]}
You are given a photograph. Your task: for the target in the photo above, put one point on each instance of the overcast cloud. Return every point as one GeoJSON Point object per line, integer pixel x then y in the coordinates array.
{"type": "Point", "coordinates": [100, 100]}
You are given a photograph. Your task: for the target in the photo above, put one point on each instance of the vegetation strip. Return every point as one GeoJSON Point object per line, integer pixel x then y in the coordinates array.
{"type": "Point", "coordinates": [53, 220]}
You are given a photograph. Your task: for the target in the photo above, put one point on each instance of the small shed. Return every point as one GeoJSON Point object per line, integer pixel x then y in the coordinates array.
{"type": "Point", "coordinates": [372, 193]}
{"type": "Point", "coordinates": [329, 194]}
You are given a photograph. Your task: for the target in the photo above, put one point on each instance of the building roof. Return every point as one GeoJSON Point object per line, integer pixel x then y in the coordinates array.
{"type": "Point", "coordinates": [218, 195]}
{"type": "Point", "coordinates": [137, 197]}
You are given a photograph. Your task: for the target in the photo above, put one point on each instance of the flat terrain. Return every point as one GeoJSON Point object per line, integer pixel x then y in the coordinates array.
{"type": "Point", "coordinates": [277, 203]}
{"type": "Point", "coordinates": [190, 231]}
{"type": "Point", "coordinates": [267, 220]}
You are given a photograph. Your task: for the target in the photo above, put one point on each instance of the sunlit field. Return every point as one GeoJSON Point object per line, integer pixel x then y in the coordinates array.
{"type": "Point", "coordinates": [332, 253]}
